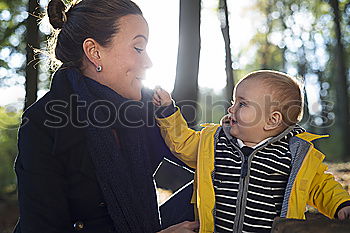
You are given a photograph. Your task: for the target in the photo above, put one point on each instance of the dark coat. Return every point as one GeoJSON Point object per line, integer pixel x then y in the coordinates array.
{"type": "Point", "coordinates": [58, 189]}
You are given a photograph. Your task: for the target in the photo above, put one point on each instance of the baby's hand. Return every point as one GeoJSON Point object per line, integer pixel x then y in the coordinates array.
{"type": "Point", "coordinates": [344, 213]}
{"type": "Point", "coordinates": [161, 97]}
{"type": "Point", "coordinates": [225, 119]}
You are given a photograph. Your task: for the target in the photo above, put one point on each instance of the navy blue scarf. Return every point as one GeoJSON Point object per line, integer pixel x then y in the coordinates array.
{"type": "Point", "coordinates": [116, 143]}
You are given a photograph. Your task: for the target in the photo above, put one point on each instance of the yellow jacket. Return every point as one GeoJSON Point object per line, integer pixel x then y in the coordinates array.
{"type": "Point", "coordinates": [308, 183]}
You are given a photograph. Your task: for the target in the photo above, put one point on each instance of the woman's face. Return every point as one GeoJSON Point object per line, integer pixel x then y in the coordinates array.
{"type": "Point", "coordinates": [125, 60]}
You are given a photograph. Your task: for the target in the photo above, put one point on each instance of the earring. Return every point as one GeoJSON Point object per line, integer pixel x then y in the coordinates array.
{"type": "Point", "coordinates": [99, 68]}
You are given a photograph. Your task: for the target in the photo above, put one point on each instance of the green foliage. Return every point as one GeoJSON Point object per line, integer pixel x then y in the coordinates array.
{"type": "Point", "coordinates": [9, 122]}
{"type": "Point", "coordinates": [3, 5]}
{"type": "Point", "coordinates": [13, 14]}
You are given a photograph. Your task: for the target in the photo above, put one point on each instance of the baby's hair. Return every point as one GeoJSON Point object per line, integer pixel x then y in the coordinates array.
{"type": "Point", "coordinates": [286, 91]}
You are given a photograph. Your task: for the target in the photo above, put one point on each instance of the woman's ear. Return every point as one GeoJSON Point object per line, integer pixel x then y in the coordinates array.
{"type": "Point", "coordinates": [274, 121]}
{"type": "Point", "coordinates": [92, 51]}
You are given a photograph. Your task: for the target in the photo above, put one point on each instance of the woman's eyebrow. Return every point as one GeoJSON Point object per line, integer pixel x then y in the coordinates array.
{"type": "Point", "coordinates": [142, 36]}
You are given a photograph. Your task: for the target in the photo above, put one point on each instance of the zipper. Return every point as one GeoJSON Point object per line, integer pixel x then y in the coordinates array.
{"type": "Point", "coordinates": [242, 191]}
{"type": "Point", "coordinates": [239, 217]}
{"type": "Point", "coordinates": [244, 182]}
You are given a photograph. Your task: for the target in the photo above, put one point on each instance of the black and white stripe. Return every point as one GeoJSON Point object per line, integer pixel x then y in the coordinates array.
{"type": "Point", "coordinates": [269, 172]}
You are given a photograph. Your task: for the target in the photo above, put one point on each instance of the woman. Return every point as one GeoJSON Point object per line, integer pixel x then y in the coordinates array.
{"type": "Point", "coordinates": [87, 149]}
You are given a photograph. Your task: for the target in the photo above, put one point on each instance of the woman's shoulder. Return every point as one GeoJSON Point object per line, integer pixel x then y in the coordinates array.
{"type": "Point", "coordinates": [55, 102]}
{"type": "Point", "coordinates": [41, 112]}
{"type": "Point", "coordinates": [50, 117]}
{"type": "Point", "coordinates": [38, 107]}
{"type": "Point", "coordinates": [60, 94]}
{"type": "Point", "coordinates": [36, 114]}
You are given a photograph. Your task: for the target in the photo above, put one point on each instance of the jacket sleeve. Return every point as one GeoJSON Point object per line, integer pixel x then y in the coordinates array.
{"type": "Point", "coordinates": [181, 140]}
{"type": "Point", "coordinates": [326, 194]}
{"type": "Point", "coordinates": [42, 187]}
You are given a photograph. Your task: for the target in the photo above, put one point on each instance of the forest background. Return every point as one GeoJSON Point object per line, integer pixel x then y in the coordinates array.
{"type": "Point", "coordinates": [307, 39]}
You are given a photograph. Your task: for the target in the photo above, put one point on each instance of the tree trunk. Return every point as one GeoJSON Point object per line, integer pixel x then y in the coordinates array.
{"type": "Point", "coordinates": [313, 223]}
{"type": "Point", "coordinates": [32, 38]}
{"type": "Point", "coordinates": [186, 83]}
{"type": "Point", "coordinates": [266, 56]}
{"type": "Point", "coordinates": [225, 29]}
{"type": "Point", "coordinates": [302, 72]}
{"type": "Point", "coordinates": [341, 87]}
{"type": "Point", "coordinates": [284, 15]}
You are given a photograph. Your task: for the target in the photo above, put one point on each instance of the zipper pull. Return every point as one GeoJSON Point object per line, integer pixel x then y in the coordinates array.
{"type": "Point", "coordinates": [246, 153]}
{"type": "Point", "coordinates": [244, 169]}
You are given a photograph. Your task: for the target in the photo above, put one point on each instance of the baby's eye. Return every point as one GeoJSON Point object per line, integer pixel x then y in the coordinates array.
{"type": "Point", "coordinates": [139, 50]}
{"type": "Point", "coordinates": [242, 104]}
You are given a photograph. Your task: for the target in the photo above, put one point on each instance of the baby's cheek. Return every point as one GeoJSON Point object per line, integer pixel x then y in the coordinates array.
{"type": "Point", "coordinates": [247, 120]}
{"type": "Point", "coordinates": [233, 132]}
{"type": "Point", "coordinates": [253, 118]}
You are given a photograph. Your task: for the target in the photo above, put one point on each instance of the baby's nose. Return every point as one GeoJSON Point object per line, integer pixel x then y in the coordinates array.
{"type": "Point", "coordinates": [230, 109]}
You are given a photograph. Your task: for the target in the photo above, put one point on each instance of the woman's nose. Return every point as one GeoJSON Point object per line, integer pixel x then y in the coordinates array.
{"type": "Point", "coordinates": [148, 62]}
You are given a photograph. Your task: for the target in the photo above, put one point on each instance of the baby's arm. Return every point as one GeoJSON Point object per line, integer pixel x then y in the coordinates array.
{"type": "Point", "coordinates": [327, 195]}
{"type": "Point", "coordinates": [180, 139]}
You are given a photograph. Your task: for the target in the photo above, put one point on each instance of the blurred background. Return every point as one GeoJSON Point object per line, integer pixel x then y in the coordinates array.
{"type": "Point", "coordinates": [199, 49]}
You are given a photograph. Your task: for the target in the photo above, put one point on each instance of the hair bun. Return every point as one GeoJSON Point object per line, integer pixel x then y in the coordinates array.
{"type": "Point", "coordinates": [56, 12]}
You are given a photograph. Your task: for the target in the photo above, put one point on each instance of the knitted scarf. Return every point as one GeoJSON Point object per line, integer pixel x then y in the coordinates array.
{"type": "Point", "coordinates": [116, 143]}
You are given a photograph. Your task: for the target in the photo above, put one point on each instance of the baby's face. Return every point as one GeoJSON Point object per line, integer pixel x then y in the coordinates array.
{"type": "Point", "coordinates": [249, 111]}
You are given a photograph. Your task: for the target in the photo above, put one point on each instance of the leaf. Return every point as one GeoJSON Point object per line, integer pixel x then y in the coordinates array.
{"type": "Point", "coordinates": [3, 5]}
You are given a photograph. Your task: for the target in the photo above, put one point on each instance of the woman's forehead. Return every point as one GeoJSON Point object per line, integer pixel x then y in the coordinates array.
{"type": "Point", "coordinates": [132, 27]}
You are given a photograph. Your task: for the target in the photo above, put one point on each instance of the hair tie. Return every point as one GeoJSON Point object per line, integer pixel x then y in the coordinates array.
{"type": "Point", "coordinates": [64, 17]}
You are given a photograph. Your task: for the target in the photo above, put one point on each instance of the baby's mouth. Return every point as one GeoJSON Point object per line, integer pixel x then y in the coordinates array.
{"type": "Point", "coordinates": [233, 121]}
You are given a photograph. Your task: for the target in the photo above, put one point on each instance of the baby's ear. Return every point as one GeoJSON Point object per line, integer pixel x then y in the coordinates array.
{"type": "Point", "coordinates": [274, 121]}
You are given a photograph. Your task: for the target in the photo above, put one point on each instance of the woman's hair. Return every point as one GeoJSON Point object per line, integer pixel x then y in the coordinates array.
{"type": "Point", "coordinates": [86, 19]}
{"type": "Point", "coordinates": [286, 92]}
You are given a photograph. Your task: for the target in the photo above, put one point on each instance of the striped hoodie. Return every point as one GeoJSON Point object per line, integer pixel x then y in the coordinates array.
{"type": "Point", "coordinates": [249, 189]}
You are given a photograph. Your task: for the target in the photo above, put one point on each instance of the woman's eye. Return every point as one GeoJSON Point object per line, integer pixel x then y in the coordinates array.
{"type": "Point", "coordinates": [139, 50]}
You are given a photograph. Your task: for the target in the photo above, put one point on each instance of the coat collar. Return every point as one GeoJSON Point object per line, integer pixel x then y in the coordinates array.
{"type": "Point", "coordinates": [310, 136]}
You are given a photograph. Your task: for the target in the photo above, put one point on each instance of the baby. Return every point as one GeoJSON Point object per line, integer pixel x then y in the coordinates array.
{"type": "Point", "coordinates": [259, 164]}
